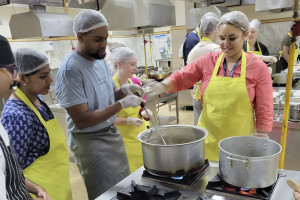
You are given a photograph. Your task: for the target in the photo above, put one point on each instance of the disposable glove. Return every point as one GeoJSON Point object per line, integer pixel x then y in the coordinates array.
{"type": "Point", "coordinates": [144, 114]}
{"type": "Point", "coordinates": [135, 121]}
{"type": "Point", "coordinates": [155, 87]}
{"type": "Point", "coordinates": [270, 59]}
{"type": "Point", "coordinates": [131, 101]}
{"type": "Point", "coordinates": [131, 88]}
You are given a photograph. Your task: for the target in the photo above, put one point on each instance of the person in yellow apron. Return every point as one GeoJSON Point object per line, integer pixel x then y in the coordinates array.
{"type": "Point", "coordinates": [129, 121]}
{"type": "Point", "coordinates": [208, 30]}
{"type": "Point", "coordinates": [256, 47]}
{"type": "Point", "coordinates": [193, 38]}
{"type": "Point", "coordinates": [285, 47]}
{"type": "Point", "coordinates": [36, 135]}
{"type": "Point", "coordinates": [236, 86]}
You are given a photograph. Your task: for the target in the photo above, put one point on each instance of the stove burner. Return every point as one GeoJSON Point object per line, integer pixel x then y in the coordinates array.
{"type": "Point", "coordinates": [184, 181]}
{"type": "Point", "coordinates": [216, 184]}
{"type": "Point", "coordinates": [142, 192]}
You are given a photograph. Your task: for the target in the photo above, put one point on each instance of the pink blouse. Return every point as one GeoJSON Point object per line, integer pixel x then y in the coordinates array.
{"type": "Point", "coordinates": [258, 82]}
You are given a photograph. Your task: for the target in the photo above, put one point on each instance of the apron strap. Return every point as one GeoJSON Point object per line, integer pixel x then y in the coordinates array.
{"type": "Point", "coordinates": [243, 65]}
{"type": "Point", "coordinates": [24, 98]}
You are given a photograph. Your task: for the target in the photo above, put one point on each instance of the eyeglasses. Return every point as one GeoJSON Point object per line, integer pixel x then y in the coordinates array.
{"type": "Point", "coordinates": [13, 69]}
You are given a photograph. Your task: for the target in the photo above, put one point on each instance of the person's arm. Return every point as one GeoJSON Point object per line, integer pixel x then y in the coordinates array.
{"type": "Point", "coordinates": [84, 118]}
{"type": "Point", "coordinates": [285, 53]}
{"type": "Point", "coordinates": [15, 123]}
{"type": "Point", "coordinates": [119, 94]}
{"type": "Point", "coordinates": [2, 179]}
{"type": "Point", "coordinates": [37, 190]}
{"type": "Point", "coordinates": [264, 101]}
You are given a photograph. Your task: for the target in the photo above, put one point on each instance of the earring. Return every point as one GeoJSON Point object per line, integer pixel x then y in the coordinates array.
{"type": "Point", "coordinates": [25, 84]}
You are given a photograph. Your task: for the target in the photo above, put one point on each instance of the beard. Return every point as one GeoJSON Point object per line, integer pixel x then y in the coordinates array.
{"type": "Point", "coordinates": [97, 56]}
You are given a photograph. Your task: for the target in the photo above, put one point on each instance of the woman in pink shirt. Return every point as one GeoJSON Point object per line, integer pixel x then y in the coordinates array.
{"type": "Point", "coordinates": [236, 90]}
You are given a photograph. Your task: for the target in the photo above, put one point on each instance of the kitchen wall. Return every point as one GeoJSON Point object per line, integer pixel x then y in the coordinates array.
{"type": "Point", "coordinates": [164, 45]}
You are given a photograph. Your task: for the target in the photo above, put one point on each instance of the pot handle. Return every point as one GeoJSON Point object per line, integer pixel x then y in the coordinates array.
{"type": "Point", "coordinates": [230, 159]}
{"type": "Point", "coordinates": [260, 134]}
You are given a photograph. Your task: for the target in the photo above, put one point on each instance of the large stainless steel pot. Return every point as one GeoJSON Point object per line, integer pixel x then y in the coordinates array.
{"type": "Point", "coordinates": [183, 154]}
{"type": "Point", "coordinates": [295, 111]}
{"type": "Point", "coordinates": [248, 161]}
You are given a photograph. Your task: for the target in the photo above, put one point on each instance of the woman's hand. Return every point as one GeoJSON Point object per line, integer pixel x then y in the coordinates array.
{"type": "Point", "coordinates": [37, 190]}
{"type": "Point", "coordinates": [144, 114]}
{"type": "Point", "coordinates": [135, 121]}
{"type": "Point", "coordinates": [43, 195]}
{"type": "Point", "coordinates": [297, 194]}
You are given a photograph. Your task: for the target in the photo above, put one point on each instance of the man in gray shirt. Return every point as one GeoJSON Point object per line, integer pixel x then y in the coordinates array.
{"type": "Point", "coordinates": [85, 88]}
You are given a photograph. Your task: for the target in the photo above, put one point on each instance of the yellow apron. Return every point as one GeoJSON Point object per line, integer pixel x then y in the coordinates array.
{"type": "Point", "coordinates": [259, 52]}
{"type": "Point", "coordinates": [227, 110]}
{"type": "Point", "coordinates": [296, 51]}
{"type": "Point", "coordinates": [50, 171]}
{"type": "Point", "coordinates": [197, 86]}
{"type": "Point", "coordinates": [129, 134]}
{"type": "Point", "coordinates": [198, 32]}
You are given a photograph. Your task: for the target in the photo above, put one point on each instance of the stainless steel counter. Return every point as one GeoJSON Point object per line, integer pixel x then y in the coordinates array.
{"type": "Point", "coordinates": [282, 191]}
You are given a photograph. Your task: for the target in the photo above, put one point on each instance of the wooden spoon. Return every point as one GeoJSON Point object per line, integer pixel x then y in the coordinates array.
{"type": "Point", "coordinates": [293, 184]}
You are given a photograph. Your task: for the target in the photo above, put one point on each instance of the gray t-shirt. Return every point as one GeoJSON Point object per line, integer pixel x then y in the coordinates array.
{"type": "Point", "coordinates": [81, 81]}
{"type": "Point", "coordinates": [286, 41]}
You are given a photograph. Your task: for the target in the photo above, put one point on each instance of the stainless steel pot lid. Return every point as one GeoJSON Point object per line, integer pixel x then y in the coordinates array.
{"type": "Point", "coordinates": [295, 105]}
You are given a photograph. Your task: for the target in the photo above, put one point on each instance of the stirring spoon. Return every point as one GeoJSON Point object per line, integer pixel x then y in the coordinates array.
{"type": "Point", "coordinates": [154, 125]}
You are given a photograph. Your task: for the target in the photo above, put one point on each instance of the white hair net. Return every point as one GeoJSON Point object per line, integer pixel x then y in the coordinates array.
{"type": "Point", "coordinates": [255, 23]}
{"type": "Point", "coordinates": [236, 18]}
{"type": "Point", "coordinates": [121, 54]}
{"type": "Point", "coordinates": [209, 22]}
{"type": "Point", "coordinates": [88, 20]}
{"type": "Point", "coordinates": [29, 60]}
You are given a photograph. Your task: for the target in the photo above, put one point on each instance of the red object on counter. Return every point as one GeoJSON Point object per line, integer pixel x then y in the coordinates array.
{"type": "Point", "coordinates": [296, 28]}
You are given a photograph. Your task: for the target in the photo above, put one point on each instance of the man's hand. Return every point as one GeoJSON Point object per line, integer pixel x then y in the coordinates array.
{"type": "Point", "coordinates": [131, 88]}
{"type": "Point", "coordinates": [144, 114]}
{"type": "Point", "coordinates": [131, 101]}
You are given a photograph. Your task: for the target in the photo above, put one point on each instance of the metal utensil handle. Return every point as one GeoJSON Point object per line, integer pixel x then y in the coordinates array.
{"type": "Point", "coordinates": [260, 134]}
{"type": "Point", "coordinates": [154, 125]}
{"type": "Point", "coordinates": [230, 159]}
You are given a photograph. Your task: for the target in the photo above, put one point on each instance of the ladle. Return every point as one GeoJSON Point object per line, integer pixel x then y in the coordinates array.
{"type": "Point", "coordinates": [154, 125]}
{"type": "Point", "coordinates": [293, 184]}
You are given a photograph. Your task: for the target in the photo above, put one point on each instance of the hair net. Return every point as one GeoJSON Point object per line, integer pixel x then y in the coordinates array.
{"type": "Point", "coordinates": [208, 23]}
{"type": "Point", "coordinates": [88, 20]}
{"type": "Point", "coordinates": [255, 23]}
{"type": "Point", "coordinates": [122, 54]}
{"type": "Point", "coordinates": [29, 60]}
{"type": "Point", "coordinates": [6, 55]}
{"type": "Point", "coordinates": [236, 18]}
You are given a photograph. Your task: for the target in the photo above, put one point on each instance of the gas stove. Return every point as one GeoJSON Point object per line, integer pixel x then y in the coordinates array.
{"type": "Point", "coordinates": [186, 182]}
{"type": "Point", "coordinates": [200, 189]}
{"type": "Point", "coordinates": [142, 192]}
{"type": "Point", "coordinates": [217, 186]}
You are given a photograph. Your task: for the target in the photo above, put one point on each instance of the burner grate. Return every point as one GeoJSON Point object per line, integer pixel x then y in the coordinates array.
{"type": "Point", "coordinates": [183, 182]}
{"type": "Point", "coordinates": [216, 184]}
{"type": "Point", "coordinates": [143, 192]}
